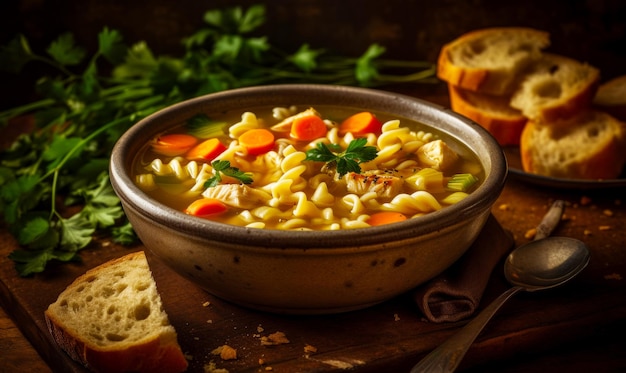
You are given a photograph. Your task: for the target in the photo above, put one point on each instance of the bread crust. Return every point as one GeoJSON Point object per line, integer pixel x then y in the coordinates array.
{"type": "Point", "coordinates": [497, 78]}
{"type": "Point", "coordinates": [600, 158]}
{"type": "Point", "coordinates": [492, 112]}
{"type": "Point", "coordinates": [159, 353]}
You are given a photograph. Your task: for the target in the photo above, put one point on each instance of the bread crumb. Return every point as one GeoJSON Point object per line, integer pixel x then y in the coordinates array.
{"type": "Point", "coordinates": [504, 207]}
{"type": "Point", "coordinates": [607, 212]}
{"type": "Point", "coordinates": [396, 317]}
{"type": "Point", "coordinates": [273, 339]}
{"type": "Point", "coordinates": [206, 304]}
{"type": "Point", "coordinates": [212, 368]}
{"type": "Point", "coordinates": [530, 234]}
{"type": "Point", "coordinates": [225, 352]}
{"type": "Point", "coordinates": [209, 321]}
{"type": "Point", "coordinates": [269, 369]}
{"type": "Point", "coordinates": [613, 276]}
{"type": "Point", "coordinates": [308, 349]}
{"type": "Point", "coordinates": [261, 361]}
{"type": "Point", "coordinates": [587, 232]}
{"type": "Point", "coordinates": [604, 228]}
{"type": "Point", "coordinates": [260, 329]}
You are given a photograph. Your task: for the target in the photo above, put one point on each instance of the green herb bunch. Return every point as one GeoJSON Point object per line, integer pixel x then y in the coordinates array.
{"type": "Point", "coordinates": [55, 193]}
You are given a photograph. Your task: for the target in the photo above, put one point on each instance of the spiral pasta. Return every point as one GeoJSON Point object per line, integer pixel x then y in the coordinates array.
{"type": "Point", "coordinates": [289, 190]}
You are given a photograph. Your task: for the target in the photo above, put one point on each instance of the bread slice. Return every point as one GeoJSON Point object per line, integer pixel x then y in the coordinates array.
{"type": "Point", "coordinates": [557, 88]}
{"type": "Point", "coordinates": [611, 97]}
{"type": "Point", "coordinates": [111, 319]}
{"type": "Point", "coordinates": [490, 60]}
{"type": "Point", "coordinates": [591, 146]}
{"type": "Point", "coordinates": [492, 112]}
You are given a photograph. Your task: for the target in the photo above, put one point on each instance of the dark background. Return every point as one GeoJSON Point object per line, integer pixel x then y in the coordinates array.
{"type": "Point", "coordinates": [589, 30]}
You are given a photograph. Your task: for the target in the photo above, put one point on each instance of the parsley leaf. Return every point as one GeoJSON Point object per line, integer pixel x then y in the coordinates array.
{"type": "Point", "coordinates": [110, 45]}
{"type": "Point", "coordinates": [366, 71]}
{"type": "Point", "coordinates": [222, 167]}
{"type": "Point", "coordinates": [15, 54]}
{"type": "Point", "coordinates": [65, 52]}
{"type": "Point", "coordinates": [347, 161]}
{"type": "Point", "coordinates": [305, 58]}
{"type": "Point", "coordinates": [124, 234]}
{"type": "Point", "coordinates": [76, 232]}
{"type": "Point", "coordinates": [29, 262]}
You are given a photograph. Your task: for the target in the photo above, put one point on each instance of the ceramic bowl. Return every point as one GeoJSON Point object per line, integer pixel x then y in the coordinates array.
{"type": "Point", "coordinates": [309, 272]}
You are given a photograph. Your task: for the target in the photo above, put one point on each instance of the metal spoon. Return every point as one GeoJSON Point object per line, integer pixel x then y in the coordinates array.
{"type": "Point", "coordinates": [541, 264]}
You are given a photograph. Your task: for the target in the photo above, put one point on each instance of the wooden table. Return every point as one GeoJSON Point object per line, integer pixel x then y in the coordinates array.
{"type": "Point", "coordinates": [576, 328]}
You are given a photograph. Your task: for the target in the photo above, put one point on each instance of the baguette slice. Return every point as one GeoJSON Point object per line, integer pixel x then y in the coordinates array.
{"type": "Point", "coordinates": [558, 88]}
{"type": "Point", "coordinates": [111, 319]}
{"type": "Point", "coordinates": [490, 60]}
{"type": "Point", "coordinates": [591, 146]}
{"type": "Point", "coordinates": [611, 97]}
{"type": "Point", "coordinates": [492, 112]}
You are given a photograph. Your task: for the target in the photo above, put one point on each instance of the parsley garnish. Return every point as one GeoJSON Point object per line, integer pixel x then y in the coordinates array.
{"type": "Point", "coordinates": [224, 168]}
{"type": "Point", "coordinates": [345, 161]}
{"type": "Point", "coordinates": [87, 102]}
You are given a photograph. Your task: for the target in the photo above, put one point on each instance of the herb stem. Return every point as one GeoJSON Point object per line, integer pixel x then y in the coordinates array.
{"type": "Point", "coordinates": [33, 106]}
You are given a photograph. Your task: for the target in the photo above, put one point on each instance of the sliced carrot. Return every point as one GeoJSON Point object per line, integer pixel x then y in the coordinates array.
{"type": "Point", "coordinates": [307, 128]}
{"type": "Point", "coordinates": [174, 144]}
{"type": "Point", "coordinates": [361, 124]}
{"type": "Point", "coordinates": [257, 141]}
{"type": "Point", "coordinates": [205, 207]}
{"type": "Point", "coordinates": [385, 217]}
{"type": "Point", "coordinates": [208, 149]}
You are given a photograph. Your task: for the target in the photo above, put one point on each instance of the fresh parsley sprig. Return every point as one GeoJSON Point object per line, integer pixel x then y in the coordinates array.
{"type": "Point", "coordinates": [221, 167]}
{"type": "Point", "coordinates": [345, 161]}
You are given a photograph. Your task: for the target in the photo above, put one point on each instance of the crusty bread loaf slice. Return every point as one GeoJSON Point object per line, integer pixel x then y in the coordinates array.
{"type": "Point", "coordinates": [557, 88]}
{"type": "Point", "coordinates": [490, 60]}
{"type": "Point", "coordinates": [611, 97]}
{"type": "Point", "coordinates": [591, 146]}
{"type": "Point", "coordinates": [111, 319]}
{"type": "Point", "coordinates": [492, 112]}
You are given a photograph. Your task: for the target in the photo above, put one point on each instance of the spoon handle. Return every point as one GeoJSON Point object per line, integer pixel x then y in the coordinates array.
{"type": "Point", "coordinates": [447, 356]}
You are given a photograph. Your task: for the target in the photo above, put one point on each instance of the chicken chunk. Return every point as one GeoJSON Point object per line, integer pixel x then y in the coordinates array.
{"type": "Point", "coordinates": [437, 154]}
{"type": "Point", "coordinates": [237, 195]}
{"type": "Point", "coordinates": [385, 185]}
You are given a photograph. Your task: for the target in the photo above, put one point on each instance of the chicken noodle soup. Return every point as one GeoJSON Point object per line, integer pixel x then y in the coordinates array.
{"type": "Point", "coordinates": [306, 169]}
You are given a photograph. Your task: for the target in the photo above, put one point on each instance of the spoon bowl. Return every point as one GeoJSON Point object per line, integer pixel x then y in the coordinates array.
{"type": "Point", "coordinates": [541, 264]}
{"type": "Point", "coordinates": [546, 263]}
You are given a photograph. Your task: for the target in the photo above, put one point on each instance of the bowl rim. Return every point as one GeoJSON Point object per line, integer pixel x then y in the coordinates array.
{"type": "Point", "coordinates": [132, 197]}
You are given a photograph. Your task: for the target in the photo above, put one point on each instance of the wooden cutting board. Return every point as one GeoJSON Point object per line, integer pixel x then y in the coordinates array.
{"type": "Point", "coordinates": [392, 335]}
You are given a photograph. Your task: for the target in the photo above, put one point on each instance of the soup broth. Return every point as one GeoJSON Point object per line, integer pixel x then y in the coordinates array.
{"type": "Point", "coordinates": [307, 176]}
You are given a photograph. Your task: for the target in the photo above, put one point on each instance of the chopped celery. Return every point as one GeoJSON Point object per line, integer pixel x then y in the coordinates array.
{"type": "Point", "coordinates": [462, 182]}
{"type": "Point", "coordinates": [203, 127]}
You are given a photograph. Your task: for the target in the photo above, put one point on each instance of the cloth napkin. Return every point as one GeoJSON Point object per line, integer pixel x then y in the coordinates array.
{"type": "Point", "coordinates": [456, 293]}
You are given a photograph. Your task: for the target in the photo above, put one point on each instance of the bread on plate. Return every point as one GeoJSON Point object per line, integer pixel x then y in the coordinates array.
{"type": "Point", "coordinates": [590, 146]}
{"type": "Point", "coordinates": [611, 97]}
{"type": "Point", "coordinates": [111, 319]}
{"type": "Point", "coordinates": [557, 88]}
{"type": "Point", "coordinates": [490, 60]}
{"type": "Point", "coordinates": [492, 112]}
